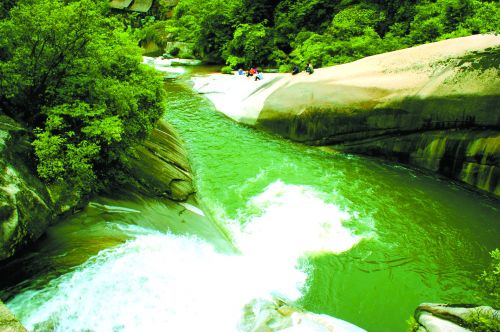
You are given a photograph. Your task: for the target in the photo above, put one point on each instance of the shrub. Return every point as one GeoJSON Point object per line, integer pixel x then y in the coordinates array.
{"type": "Point", "coordinates": [227, 70]}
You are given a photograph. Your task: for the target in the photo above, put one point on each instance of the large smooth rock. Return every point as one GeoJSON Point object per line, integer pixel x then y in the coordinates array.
{"type": "Point", "coordinates": [435, 106]}
{"type": "Point", "coordinates": [450, 84]}
{"type": "Point", "coordinates": [275, 315]}
{"type": "Point", "coordinates": [160, 166]}
{"type": "Point", "coordinates": [25, 205]}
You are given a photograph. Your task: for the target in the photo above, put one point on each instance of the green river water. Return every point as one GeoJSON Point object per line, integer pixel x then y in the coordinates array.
{"type": "Point", "coordinates": [355, 238]}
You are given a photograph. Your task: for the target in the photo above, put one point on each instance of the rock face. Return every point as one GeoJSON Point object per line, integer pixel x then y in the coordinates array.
{"type": "Point", "coordinates": [469, 155]}
{"type": "Point", "coordinates": [26, 208]}
{"type": "Point", "coordinates": [435, 106]}
{"type": "Point", "coordinates": [160, 166]}
{"type": "Point", "coordinates": [432, 317]}
{"type": "Point", "coordinates": [8, 322]}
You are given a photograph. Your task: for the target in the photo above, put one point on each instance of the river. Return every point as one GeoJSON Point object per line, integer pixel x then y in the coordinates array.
{"type": "Point", "coordinates": [356, 238]}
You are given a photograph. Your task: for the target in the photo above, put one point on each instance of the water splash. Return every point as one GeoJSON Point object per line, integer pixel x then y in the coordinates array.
{"type": "Point", "coordinates": [161, 281]}
{"type": "Point", "coordinates": [293, 219]}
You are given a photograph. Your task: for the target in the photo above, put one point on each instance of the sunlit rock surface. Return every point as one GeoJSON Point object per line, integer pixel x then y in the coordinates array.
{"type": "Point", "coordinates": [8, 322]}
{"type": "Point", "coordinates": [435, 106]}
{"type": "Point", "coordinates": [433, 317]}
{"type": "Point", "coordinates": [269, 316]}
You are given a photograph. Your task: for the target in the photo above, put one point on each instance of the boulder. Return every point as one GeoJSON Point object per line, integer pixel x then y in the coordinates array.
{"type": "Point", "coordinates": [26, 208]}
{"type": "Point", "coordinates": [435, 106]}
{"type": "Point", "coordinates": [262, 315]}
{"type": "Point", "coordinates": [436, 317]}
{"type": "Point", "coordinates": [160, 167]}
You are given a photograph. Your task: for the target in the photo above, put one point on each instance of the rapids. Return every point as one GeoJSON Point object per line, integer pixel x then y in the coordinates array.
{"type": "Point", "coordinates": [356, 238]}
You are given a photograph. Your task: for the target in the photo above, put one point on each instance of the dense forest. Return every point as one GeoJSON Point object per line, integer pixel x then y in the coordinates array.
{"type": "Point", "coordinates": [71, 73]}
{"type": "Point", "coordinates": [281, 33]}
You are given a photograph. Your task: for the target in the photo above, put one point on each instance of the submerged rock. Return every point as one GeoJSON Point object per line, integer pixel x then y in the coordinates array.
{"type": "Point", "coordinates": [435, 106]}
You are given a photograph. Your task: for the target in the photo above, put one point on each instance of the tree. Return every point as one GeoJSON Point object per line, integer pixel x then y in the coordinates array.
{"type": "Point", "coordinates": [75, 76]}
{"type": "Point", "coordinates": [216, 31]}
{"type": "Point", "coordinates": [490, 279]}
{"type": "Point", "coordinates": [251, 45]}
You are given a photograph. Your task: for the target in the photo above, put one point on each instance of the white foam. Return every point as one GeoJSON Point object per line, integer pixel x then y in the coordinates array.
{"type": "Point", "coordinates": [155, 282]}
{"type": "Point", "coordinates": [192, 208]}
{"type": "Point", "coordinates": [294, 220]}
{"type": "Point", "coordinates": [174, 283]}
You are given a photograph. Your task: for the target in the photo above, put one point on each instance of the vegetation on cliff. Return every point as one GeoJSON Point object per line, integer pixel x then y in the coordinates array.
{"type": "Point", "coordinates": [287, 32]}
{"type": "Point", "coordinates": [74, 75]}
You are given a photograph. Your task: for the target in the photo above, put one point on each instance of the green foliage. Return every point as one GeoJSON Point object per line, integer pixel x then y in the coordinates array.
{"type": "Point", "coordinates": [227, 70]}
{"type": "Point", "coordinates": [483, 321]}
{"type": "Point", "coordinates": [251, 45]}
{"type": "Point", "coordinates": [75, 76]}
{"type": "Point", "coordinates": [318, 49]}
{"type": "Point", "coordinates": [196, 21]}
{"type": "Point", "coordinates": [354, 21]}
{"type": "Point", "coordinates": [490, 279]}
{"type": "Point", "coordinates": [5, 7]}
{"type": "Point", "coordinates": [152, 31]}
{"type": "Point", "coordinates": [284, 32]}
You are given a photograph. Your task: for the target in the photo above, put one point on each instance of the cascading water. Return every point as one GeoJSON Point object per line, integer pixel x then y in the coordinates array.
{"type": "Point", "coordinates": [158, 281]}
{"type": "Point", "coordinates": [347, 236]}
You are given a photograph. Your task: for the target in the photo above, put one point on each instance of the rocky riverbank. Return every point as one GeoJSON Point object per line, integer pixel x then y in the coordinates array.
{"type": "Point", "coordinates": [159, 168]}
{"type": "Point", "coordinates": [435, 106]}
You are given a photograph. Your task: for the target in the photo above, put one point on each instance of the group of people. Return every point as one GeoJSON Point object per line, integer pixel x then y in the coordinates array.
{"type": "Point", "coordinates": [258, 75]}
{"type": "Point", "coordinates": [251, 72]}
{"type": "Point", "coordinates": [309, 69]}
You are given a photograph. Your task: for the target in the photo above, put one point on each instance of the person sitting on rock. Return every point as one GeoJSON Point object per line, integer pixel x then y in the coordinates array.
{"type": "Point", "coordinates": [295, 70]}
{"type": "Point", "coordinates": [252, 71]}
{"type": "Point", "coordinates": [259, 77]}
{"type": "Point", "coordinates": [309, 68]}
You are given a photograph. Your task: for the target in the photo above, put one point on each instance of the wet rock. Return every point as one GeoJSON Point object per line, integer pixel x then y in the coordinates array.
{"type": "Point", "coordinates": [435, 317]}
{"type": "Point", "coordinates": [8, 322]}
{"type": "Point", "coordinates": [25, 205]}
{"type": "Point", "coordinates": [469, 155]}
{"type": "Point", "coordinates": [160, 166]}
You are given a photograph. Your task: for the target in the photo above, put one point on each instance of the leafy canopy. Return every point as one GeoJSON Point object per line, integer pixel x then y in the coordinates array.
{"type": "Point", "coordinates": [75, 76]}
{"type": "Point", "coordinates": [241, 32]}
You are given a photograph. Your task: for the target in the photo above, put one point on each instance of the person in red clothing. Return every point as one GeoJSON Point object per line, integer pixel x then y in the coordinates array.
{"type": "Point", "coordinates": [252, 71]}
